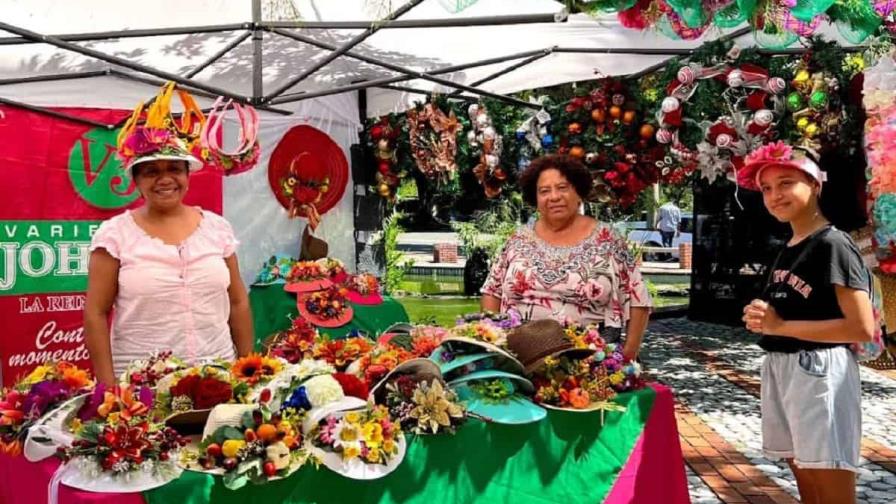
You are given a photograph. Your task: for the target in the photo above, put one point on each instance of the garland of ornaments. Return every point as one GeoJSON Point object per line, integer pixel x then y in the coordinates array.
{"type": "Point", "coordinates": [433, 137]}
{"type": "Point", "coordinates": [485, 140]}
{"type": "Point", "coordinates": [384, 136]}
{"type": "Point", "coordinates": [754, 105]}
{"type": "Point", "coordinates": [602, 128]}
{"type": "Point", "coordinates": [815, 107]}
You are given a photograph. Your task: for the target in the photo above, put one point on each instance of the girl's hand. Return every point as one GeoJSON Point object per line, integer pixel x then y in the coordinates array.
{"type": "Point", "coordinates": [760, 317]}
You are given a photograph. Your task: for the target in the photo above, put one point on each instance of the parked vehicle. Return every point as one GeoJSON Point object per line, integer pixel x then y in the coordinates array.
{"type": "Point", "coordinates": [640, 235]}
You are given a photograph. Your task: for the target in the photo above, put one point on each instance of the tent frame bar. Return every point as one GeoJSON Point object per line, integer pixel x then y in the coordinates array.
{"type": "Point", "coordinates": [339, 51]}
{"type": "Point", "coordinates": [54, 77]}
{"type": "Point", "coordinates": [509, 68]}
{"type": "Point", "coordinates": [306, 25]}
{"type": "Point", "coordinates": [356, 86]}
{"type": "Point", "coordinates": [218, 55]}
{"type": "Point", "coordinates": [395, 68]}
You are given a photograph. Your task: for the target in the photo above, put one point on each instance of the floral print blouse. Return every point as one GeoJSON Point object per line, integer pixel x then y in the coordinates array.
{"type": "Point", "coordinates": [593, 282]}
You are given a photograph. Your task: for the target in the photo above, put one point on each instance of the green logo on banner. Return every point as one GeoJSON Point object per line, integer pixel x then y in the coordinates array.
{"type": "Point", "coordinates": [96, 172]}
{"type": "Point", "coordinates": [44, 256]}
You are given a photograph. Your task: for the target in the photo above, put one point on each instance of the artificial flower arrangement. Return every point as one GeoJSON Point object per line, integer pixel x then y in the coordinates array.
{"type": "Point", "coordinates": [566, 382]}
{"type": "Point", "coordinates": [274, 269]}
{"type": "Point", "coordinates": [195, 388]}
{"type": "Point", "coordinates": [363, 283]}
{"type": "Point", "coordinates": [623, 375]}
{"type": "Point", "coordinates": [254, 370]}
{"type": "Point", "coordinates": [423, 406]}
{"type": "Point", "coordinates": [263, 446]}
{"type": "Point", "coordinates": [147, 372]}
{"type": "Point", "coordinates": [46, 387]}
{"type": "Point", "coordinates": [326, 308]}
{"type": "Point", "coordinates": [325, 389]}
{"type": "Point", "coordinates": [341, 352]}
{"type": "Point", "coordinates": [482, 330]}
{"type": "Point", "coordinates": [393, 349]}
{"type": "Point", "coordinates": [370, 436]}
{"type": "Point", "coordinates": [295, 343]}
{"type": "Point", "coordinates": [114, 435]}
{"type": "Point", "coordinates": [305, 271]}
{"type": "Point", "coordinates": [332, 268]}
{"type": "Point", "coordinates": [504, 321]}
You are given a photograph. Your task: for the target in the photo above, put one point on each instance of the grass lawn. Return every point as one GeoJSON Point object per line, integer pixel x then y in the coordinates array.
{"type": "Point", "coordinates": [445, 310]}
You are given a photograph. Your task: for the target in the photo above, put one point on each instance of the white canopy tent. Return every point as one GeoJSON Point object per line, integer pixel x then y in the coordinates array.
{"type": "Point", "coordinates": [221, 23]}
{"type": "Point", "coordinates": [113, 54]}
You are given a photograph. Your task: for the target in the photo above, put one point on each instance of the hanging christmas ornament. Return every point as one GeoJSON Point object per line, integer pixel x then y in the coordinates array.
{"type": "Point", "coordinates": [646, 131]}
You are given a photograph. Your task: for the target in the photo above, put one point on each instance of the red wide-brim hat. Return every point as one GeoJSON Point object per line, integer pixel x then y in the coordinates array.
{"type": "Point", "coordinates": [371, 299]}
{"type": "Point", "coordinates": [321, 158]}
{"type": "Point", "coordinates": [347, 314]}
{"type": "Point", "coordinates": [308, 285]}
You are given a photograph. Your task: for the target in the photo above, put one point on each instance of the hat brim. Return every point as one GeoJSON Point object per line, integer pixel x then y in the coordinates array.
{"type": "Point", "coordinates": [344, 318]}
{"type": "Point", "coordinates": [447, 366]}
{"type": "Point", "coordinates": [591, 408]}
{"type": "Point", "coordinates": [520, 383]}
{"type": "Point", "coordinates": [514, 365]}
{"type": "Point", "coordinates": [107, 482]}
{"type": "Point", "coordinates": [748, 176]}
{"type": "Point", "coordinates": [516, 410]}
{"type": "Point", "coordinates": [308, 286]}
{"type": "Point", "coordinates": [418, 366]}
{"type": "Point", "coordinates": [188, 422]}
{"type": "Point", "coordinates": [52, 427]}
{"type": "Point", "coordinates": [357, 469]}
{"type": "Point", "coordinates": [364, 299]}
{"type": "Point", "coordinates": [194, 163]}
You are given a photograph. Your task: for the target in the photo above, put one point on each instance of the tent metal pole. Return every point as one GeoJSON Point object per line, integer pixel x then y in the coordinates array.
{"type": "Point", "coordinates": [394, 68]}
{"type": "Point", "coordinates": [54, 77]}
{"type": "Point", "coordinates": [408, 89]}
{"type": "Point", "coordinates": [626, 50]}
{"type": "Point", "coordinates": [401, 78]}
{"type": "Point", "coordinates": [339, 51]}
{"type": "Point", "coordinates": [257, 53]}
{"type": "Point", "coordinates": [118, 61]}
{"type": "Point", "coordinates": [215, 57]}
{"type": "Point", "coordinates": [152, 32]}
{"type": "Point", "coordinates": [53, 113]}
{"type": "Point", "coordinates": [199, 92]}
{"type": "Point", "coordinates": [505, 71]}
{"type": "Point", "coordinates": [559, 17]}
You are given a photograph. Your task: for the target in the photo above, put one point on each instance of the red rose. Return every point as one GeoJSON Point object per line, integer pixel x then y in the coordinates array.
{"type": "Point", "coordinates": [186, 386]}
{"type": "Point", "coordinates": [351, 385]}
{"type": "Point", "coordinates": [211, 392]}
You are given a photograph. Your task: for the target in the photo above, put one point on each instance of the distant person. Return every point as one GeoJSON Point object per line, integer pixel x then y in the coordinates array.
{"type": "Point", "coordinates": [670, 220]}
{"type": "Point", "coordinates": [567, 266]}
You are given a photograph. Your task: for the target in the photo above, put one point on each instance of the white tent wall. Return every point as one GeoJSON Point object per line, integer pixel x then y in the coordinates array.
{"type": "Point", "coordinates": [261, 224]}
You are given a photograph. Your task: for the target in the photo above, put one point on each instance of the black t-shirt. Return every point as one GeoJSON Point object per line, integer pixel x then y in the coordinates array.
{"type": "Point", "coordinates": [805, 290]}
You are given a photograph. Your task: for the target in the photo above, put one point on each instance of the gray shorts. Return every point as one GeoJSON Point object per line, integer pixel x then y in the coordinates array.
{"type": "Point", "coordinates": [811, 408]}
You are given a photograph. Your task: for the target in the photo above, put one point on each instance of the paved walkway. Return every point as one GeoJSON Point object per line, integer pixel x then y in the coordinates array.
{"type": "Point", "coordinates": [714, 373]}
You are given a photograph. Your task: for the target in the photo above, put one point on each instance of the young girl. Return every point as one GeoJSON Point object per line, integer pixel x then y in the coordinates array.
{"type": "Point", "coordinates": [815, 304]}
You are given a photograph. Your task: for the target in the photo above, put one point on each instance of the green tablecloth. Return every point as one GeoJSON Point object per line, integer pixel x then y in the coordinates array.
{"type": "Point", "coordinates": [272, 308]}
{"type": "Point", "coordinates": [567, 458]}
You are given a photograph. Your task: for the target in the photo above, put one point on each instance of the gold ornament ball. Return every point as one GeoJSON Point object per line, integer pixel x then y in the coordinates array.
{"type": "Point", "coordinates": [801, 77]}
{"type": "Point", "coordinates": [802, 123]}
{"type": "Point", "coordinates": [615, 112]}
{"type": "Point", "coordinates": [812, 130]}
{"type": "Point", "coordinates": [577, 152]}
{"type": "Point", "coordinates": [628, 117]}
{"type": "Point", "coordinates": [383, 190]}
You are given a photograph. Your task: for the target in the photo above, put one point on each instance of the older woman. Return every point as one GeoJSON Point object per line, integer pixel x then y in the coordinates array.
{"type": "Point", "coordinates": [567, 266]}
{"type": "Point", "coordinates": [170, 272]}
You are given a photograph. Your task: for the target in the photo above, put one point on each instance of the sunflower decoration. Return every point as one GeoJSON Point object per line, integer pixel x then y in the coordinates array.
{"type": "Point", "coordinates": [256, 368]}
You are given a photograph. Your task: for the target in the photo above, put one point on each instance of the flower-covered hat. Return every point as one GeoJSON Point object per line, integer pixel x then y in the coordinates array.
{"type": "Point", "coordinates": [162, 136]}
{"type": "Point", "coordinates": [497, 396]}
{"type": "Point", "coordinates": [776, 154]}
{"type": "Point", "coordinates": [326, 308]}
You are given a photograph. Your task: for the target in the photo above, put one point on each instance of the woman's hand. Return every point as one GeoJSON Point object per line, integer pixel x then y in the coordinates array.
{"type": "Point", "coordinates": [761, 317]}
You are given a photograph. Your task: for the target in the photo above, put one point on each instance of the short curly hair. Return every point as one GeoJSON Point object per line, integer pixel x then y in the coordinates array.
{"type": "Point", "coordinates": [571, 168]}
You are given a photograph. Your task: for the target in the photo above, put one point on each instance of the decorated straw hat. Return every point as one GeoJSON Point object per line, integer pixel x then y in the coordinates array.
{"type": "Point", "coordinates": [498, 396]}
{"type": "Point", "coordinates": [777, 154]}
{"type": "Point", "coordinates": [325, 308]}
{"type": "Point", "coordinates": [421, 369]}
{"type": "Point", "coordinates": [161, 136]}
{"type": "Point", "coordinates": [537, 340]}
{"type": "Point", "coordinates": [354, 468]}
